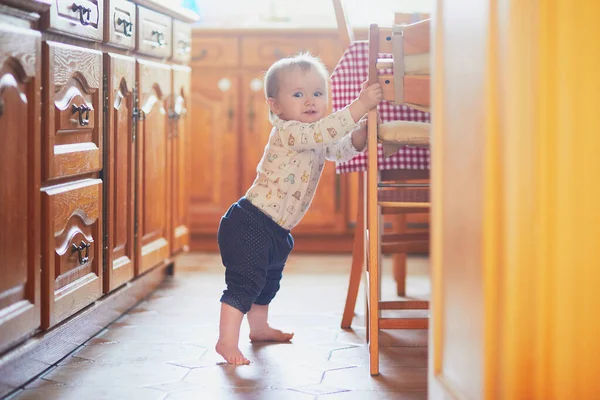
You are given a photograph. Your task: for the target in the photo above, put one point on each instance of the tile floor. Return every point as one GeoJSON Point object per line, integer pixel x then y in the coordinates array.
{"type": "Point", "coordinates": [163, 348]}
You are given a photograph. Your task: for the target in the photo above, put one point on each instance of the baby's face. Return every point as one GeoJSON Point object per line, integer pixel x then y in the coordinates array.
{"type": "Point", "coordinates": [302, 96]}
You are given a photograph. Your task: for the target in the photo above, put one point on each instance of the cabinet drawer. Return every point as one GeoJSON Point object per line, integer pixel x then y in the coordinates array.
{"type": "Point", "coordinates": [182, 41]}
{"type": "Point", "coordinates": [215, 52]}
{"type": "Point", "coordinates": [72, 262]}
{"type": "Point", "coordinates": [154, 34]}
{"type": "Point", "coordinates": [78, 18]}
{"type": "Point", "coordinates": [263, 51]}
{"type": "Point", "coordinates": [121, 23]}
{"type": "Point", "coordinates": [72, 140]}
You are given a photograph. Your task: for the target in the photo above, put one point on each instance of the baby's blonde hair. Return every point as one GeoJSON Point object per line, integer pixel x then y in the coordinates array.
{"type": "Point", "coordinates": [305, 61]}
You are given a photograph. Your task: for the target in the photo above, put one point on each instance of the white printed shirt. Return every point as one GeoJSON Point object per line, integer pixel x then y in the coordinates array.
{"type": "Point", "coordinates": [291, 166]}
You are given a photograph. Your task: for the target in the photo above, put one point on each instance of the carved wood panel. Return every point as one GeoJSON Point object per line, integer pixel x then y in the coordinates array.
{"type": "Point", "coordinates": [72, 248]}
{"type": "Point", "coordinates": [20, 71]}
{"type": "Point", "coordinates": [72, 142]}
{"type": "Point", "coordinates": [119, 170]}
{"type": "Point", "coordinates": [154, 159]}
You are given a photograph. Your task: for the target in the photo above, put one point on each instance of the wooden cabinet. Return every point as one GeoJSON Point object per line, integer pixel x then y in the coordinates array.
{"type": "Point", "coordinates": [78, 18]}
{"type": "Point", "coordinates": [119, 169]}
{"type": "Point", "coordinates": [73, 125]}
{"type": "Point", "coordinates": [214, 140]}
{"type": "Point", "coordinates": [180, 157]}
{"type": "Point", "coordinates": [94, 167]}
{"type": "Point", "coordinates": [72, 248]}
{"type": "Point", "coordinates": [233, 127]}
{"type": "Point", "coordinates": [20, 63]}
{"type": "Point", "coordinates": [153, 165]}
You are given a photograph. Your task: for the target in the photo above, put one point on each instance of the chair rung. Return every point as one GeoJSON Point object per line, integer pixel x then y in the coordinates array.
{"type": "Point", "coordinates": [403, 185]}
{"type": "Point", "coordinates": [404, 197]}
{"type": "Point", "coordinates": [404, 210]}
{"type": "Point", "coordinates": [404, 305]}
{"type": "Point", "coordinates": [403, 323]}
{"type": "Point", "coordinates": [403, 248]}
{"type": "Point", "coordinates": [390, 238]}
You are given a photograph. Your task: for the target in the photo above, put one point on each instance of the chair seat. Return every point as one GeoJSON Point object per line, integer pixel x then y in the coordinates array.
{"type": "Point", "coordinates": [404, 197]}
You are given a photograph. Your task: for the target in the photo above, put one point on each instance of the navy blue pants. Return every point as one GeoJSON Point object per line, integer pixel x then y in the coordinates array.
{"type": "Point", "coordinates": [254, 249]}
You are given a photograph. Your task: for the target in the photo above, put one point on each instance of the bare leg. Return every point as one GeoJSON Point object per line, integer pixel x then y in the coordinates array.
{"type": "Point", "coordinates": [229, 335]}
{"type": "Point", "coordinates": [260, 331]}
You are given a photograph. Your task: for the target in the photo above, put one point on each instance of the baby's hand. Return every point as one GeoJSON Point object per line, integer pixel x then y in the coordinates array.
{"type": "Point", "coordinates": [370, 95]}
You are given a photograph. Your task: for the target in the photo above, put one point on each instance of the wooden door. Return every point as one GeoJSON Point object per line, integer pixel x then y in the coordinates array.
{"type": "Point", "coordinates": [20, 73]}
{"type": "Point", "coordinates": [516, 222]}
{"type": "Point", "coordinates": [216, 147]}
{"type": "Point", "coordinates": [119, 170]}
{"type": "Point", "coordinates": [181, 151]}
{"type": "Point", "coordinates": [154, 163]}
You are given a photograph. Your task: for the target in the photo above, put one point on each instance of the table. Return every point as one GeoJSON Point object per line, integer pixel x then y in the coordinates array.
{"type": "Point", "coordinates": [346, 80]}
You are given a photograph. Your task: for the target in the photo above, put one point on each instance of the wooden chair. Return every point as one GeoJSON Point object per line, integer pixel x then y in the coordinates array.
{"type": "Point", "coordinates": [346, 36]}
{"type": "Point", "coordinates": [345, 31]}
{"type": "Point", "coordinates": [414, 66]}
{"type": "Point", "coordinates": [407, 85]}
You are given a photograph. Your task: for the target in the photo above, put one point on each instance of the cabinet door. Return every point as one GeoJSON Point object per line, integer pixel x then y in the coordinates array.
{"type": "Point", "coordinates": [72, 111]}
{"type": "Point", "coordinates": [72, 248]}
{"type": "Point", "coordinates": [20, 183]}
{"type": "Point", "coordinates": [216, 161]}
{"type": "Point", "coordinates": [256, 126]}
{"type": "Point", "coordinates": [153, 152]}
{"type": "Point", "coordinates": [181, 151]}
{"type": "Point", "coordinates": [119, 170]}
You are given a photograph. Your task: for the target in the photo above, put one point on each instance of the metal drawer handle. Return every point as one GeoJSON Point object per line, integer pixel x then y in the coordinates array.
{"type": "Point", "coordinates": [82, 11]}
{"type": "Point", "coordinates": [82, 109]}
{"type": "Point", "coordinates": [160, 37]}
{"type": "Point", "coordinates": [127, 26]}
{"type": "Point", "coordinates": [79, 249]}
{"type": "Point", "coordinates": [185, 46]}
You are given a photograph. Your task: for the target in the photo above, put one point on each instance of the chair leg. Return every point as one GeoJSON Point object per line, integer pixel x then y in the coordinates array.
{"type": "Point", "coordinates": [357, 260]}
{"type": "Point", "coordinates": [399, 259]}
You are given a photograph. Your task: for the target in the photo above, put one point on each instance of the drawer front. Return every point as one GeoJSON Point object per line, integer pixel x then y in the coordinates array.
{"type": "Point", "coordinates": [259, 51]}
{"type": "Point", "coordinates": [78, 18]}
{"type": "Point", "coordinates": [72, 267]}
{"type": "Point", "coordinates": [215, 52]}
{"type": "Point", "coordinates": [72, 140]}
{"type": "Point", "coordinates": [182, 41]}
{"type": "Point", "coordinates": [154, 36]}
{"type": "Point", "coordinates": [121, 24]}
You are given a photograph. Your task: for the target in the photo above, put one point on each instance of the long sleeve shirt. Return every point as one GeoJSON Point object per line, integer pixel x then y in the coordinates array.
{"type": "Point", "coordinates": [291, 166]}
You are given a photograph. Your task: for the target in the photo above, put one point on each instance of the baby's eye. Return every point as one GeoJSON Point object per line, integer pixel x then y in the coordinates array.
{"type": "Point", "coordinates": [297, 94]}
{"type": "Point", "coordinates": [318, 94]}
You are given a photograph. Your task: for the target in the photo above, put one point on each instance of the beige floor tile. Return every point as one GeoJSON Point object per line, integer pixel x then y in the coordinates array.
{"type": "Point", "coordinates": [90, 393]}
{"type": "Point", "coordinates": [118, 375]}
{"type": "Point", "coordinates": [388, 356]}
{"type": "Point", "coordinates": [390, 379]}
{"type": "Point", "coordinates": [164, 348]}
{"type": "Point", "coordinates": [235, 393]}
{"type": "Point", "coordinates": [140, 352]}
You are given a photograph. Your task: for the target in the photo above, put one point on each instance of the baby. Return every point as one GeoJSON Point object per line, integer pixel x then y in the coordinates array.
{"type": "Point", "coordinates": [254, 234]}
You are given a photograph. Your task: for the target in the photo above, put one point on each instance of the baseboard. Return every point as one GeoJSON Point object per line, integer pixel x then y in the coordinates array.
{"type": "Point", "coordinates": [42, 351]}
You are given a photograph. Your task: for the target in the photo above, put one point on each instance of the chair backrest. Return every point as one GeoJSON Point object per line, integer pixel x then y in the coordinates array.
{"type": "Point", "coordinates": [405, 77]}
{"type": "Point", "coordinates": [345, 31]}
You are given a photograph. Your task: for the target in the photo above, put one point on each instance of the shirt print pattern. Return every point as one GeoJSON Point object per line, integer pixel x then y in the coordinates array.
{"type": "Point", "coordinates": [293, 161]}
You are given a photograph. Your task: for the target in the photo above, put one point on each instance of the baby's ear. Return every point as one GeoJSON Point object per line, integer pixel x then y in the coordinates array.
{"type": "Point", "coordinates": [274, 106]}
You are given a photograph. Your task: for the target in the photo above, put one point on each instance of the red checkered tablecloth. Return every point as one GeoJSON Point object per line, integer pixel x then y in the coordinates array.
{"type": "Point", "coordinates": [346, 80]}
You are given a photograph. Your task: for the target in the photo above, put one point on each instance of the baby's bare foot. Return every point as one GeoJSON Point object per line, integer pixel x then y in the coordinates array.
{"type": "Point", "coordinates": [269, 334]}
{"type": "Point", "coordinates": [231, 354]}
